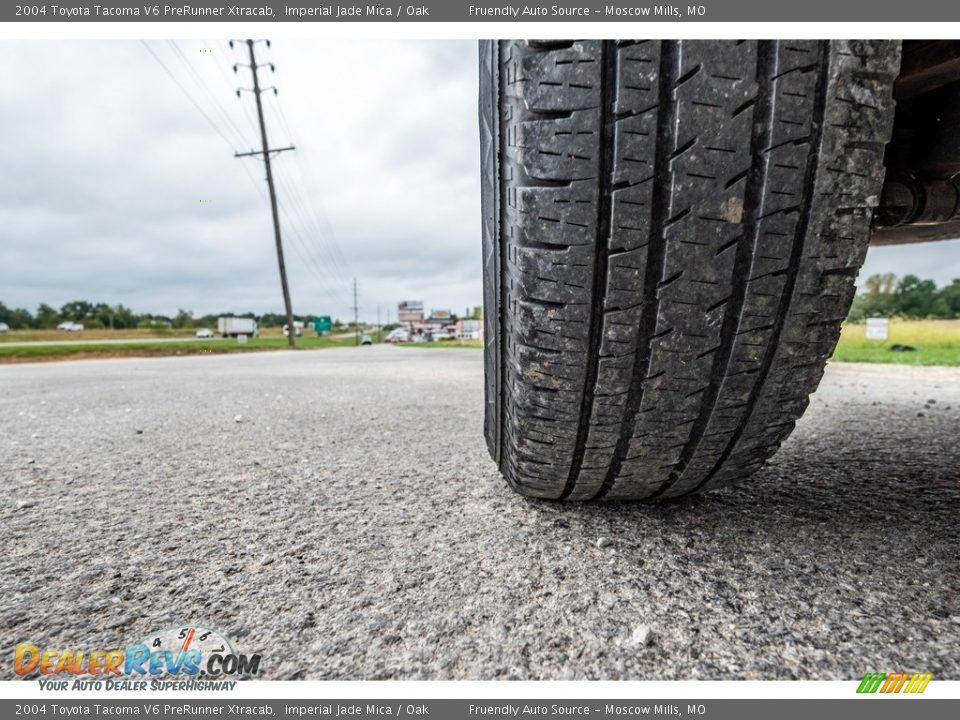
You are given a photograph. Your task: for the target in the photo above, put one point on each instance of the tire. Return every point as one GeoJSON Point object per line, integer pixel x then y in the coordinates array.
{"type": "Point", "coordinates": [672, 231]}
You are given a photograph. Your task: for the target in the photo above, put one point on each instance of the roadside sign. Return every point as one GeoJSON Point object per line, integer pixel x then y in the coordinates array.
{"type": "Point", "coordinates": [242, 339]}
{"type": "Point", "coordinates": [878, 328]}
{"type": "Point", "coordinates": [410, 311]}
{"type": "Point", "coordinates": [322, 324]}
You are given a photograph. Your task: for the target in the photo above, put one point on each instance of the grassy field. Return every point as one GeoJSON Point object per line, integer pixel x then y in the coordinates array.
{"type": "Point", "coordinates": [441, 344]}
{"type": "Point", "coordinates": [139, 347]}
{"type": "Point", "coordinates": [15, 336]}
{"type": "Point", "coordinates": [937, 342]}
{"type": "Point", "coordinates": [59, 335]}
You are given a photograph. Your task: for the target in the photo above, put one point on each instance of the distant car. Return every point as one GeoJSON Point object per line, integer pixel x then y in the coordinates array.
{"type": "Point", "coordinates": [366, 340]}
{"type": "Point", "coordinates": [70, 327]}
{"type": "Point", "coordinates": [398, 335]}
{"type": "Point", "coordinates": [204, 333]}
{"type": "Point", "coordinates": [4, 327]}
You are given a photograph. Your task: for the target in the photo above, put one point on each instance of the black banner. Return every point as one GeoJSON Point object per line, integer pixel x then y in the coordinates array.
{"type": "Point", "coordinates": [493, 11]}
{"type": "Point", "coordinates": [872, 708]}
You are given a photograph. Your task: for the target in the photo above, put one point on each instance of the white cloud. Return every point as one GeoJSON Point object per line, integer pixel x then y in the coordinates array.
{"type": "Point", "coordinates": [101, 193]}
{"type": "Point", "coordinates": [105, 164]}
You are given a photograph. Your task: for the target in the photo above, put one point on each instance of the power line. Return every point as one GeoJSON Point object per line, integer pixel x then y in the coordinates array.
{"type": "Point", "coordinates": [300, 247]}
{"type": "Point", "coordinates": [227, 52]}
{"type": "Point", "coordinates": [198, 79]}
{"type": "Point", "coordinates": [187, 94]}
{"type": "Point", "coordinates": [311, 229]}
{"type": "Point", "coordinates": [318, 217]}
{"type": "Point", "coordinates": [309, 260]}
{"type": "Point", "coordinates": [356, 315]}
{"type": "Point", "coordinates": [265, 153]}
{"type": "Point", "coordinates": [311, 224]}
{"type": "Point", "coordinates": [303, 224]}
{"type": "Point", "coordinates": [297, 213]}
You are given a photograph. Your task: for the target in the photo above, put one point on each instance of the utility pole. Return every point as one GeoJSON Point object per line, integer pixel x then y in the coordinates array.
{"type": "Point", "coordinates": [265, 152]}
{"type": "Point", "coordinates": [356, 320]}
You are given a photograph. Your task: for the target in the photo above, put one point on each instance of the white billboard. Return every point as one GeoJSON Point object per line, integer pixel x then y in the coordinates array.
{"type": "Point", "coordinates": [409, 311]}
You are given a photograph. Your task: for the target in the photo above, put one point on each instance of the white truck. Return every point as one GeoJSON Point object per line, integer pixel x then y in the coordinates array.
{"type": "Point", "coordinates": [236, 326]}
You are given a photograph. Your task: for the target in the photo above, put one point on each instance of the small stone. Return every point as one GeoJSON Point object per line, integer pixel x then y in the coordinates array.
{"type": "Point", "coordinates": [920, 414]}
{"type": "Point", "coordinates": [643, 635]}
{"type": "Point", "coordinates": [139, 432]}
{"type": "Point", "coordinates": [931, 402]}
{"type": "Point", "coordinates": [24, 504]}
{"type": "Point", "coordinates": [35, 436]}
{"type": "Point", "coordinates": [239, 418]}
{"type": "Point", "coordinates": [604, 542]}
{"type": "Point", "coordinates": [266, 560]}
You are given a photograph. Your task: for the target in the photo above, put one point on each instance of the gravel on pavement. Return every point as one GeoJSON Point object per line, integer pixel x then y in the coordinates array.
{"type": "Point", "coordinates": [337, 512]}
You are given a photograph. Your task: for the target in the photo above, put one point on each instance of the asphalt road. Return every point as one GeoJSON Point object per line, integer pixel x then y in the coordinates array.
{"type": "Point", "coordinates": [351, 525]}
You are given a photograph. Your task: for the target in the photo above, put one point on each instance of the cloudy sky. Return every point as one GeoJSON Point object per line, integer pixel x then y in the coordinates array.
{"type": "Point", "coordinates": [115, 187]}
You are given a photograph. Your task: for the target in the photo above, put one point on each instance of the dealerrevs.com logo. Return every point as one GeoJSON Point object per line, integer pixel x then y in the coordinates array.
{"type": "Point", "coordinates": [183, 658]}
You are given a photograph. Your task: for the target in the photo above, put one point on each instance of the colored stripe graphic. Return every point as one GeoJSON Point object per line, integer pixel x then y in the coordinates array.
{"type": "Point", "coordinates": [918, 683]}
{"type": "Point", "coordinates": [871, 682]}
{"type": "Point", "coordinates": [894, 682]}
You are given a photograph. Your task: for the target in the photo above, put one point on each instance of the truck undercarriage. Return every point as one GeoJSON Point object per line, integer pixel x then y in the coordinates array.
{"type": "Point", "coordinates": [921, 195]}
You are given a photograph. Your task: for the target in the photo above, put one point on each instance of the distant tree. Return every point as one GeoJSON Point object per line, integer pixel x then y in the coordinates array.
{"type": "Point", "coordinates": [910, 297]}
{"type": "Point", "coordinates": [915, 297]}
{"type": "Point", "coordinates": [877, 298]}
{"type": "Point", "coordinates": [16, 318]}
{"type": "Point", "coordinates": [950, 295]}
{"type": "Point", "coordinates": [148, 320]}
{"type": "Point", "coordinates": [47, 317]}
{"type": "Point", "coordinates": [273, 320]}
{"type": "Point", "coordinates": [183, 319]}
{"type": "Point", "coordinates": [880, 286]}
{"type": "Point", "coordinates": [102, 316]}
{"type": "Point", "coordinates": [124, 317]}
{"type": "Point", "coordinates": [77, 310]}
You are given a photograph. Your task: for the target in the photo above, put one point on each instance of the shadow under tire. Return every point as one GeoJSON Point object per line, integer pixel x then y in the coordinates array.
{"type": "Point", "coordinates": [672, 231]}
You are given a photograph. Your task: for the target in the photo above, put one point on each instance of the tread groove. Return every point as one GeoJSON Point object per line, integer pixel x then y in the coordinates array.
{"type": "Point", "coordinates": [604, 231]}
{"type": "Point", "coordinates": [796, 254]}
{"type": "Point", "coordinates": [666, 134]}
{"type": "Point", "coordinates": [746, 246]}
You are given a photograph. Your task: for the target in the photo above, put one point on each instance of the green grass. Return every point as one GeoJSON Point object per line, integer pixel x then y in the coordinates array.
{"type": "Point", "coordinates": [441, 344]}
{"type": "Point", "coordinates": [937, 343]}
{"type": "Point", "coordinates": [216, 346]}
